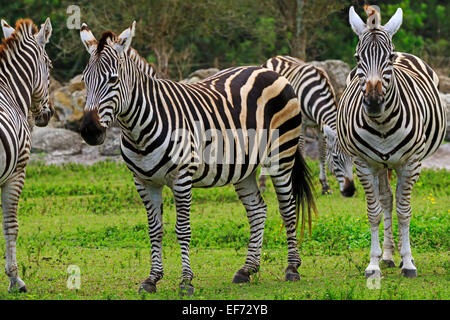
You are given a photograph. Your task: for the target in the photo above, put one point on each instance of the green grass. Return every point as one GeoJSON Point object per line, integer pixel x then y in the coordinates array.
{"type": "Point", "coordinates": [92, 217]}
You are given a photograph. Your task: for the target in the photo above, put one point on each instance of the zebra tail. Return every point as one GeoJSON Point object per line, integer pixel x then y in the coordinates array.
{"type": "Point", "coordinates": [303, 191]}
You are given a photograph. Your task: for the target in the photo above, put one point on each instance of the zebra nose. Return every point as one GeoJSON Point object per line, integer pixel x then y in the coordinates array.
{"type": "Point", "coordinates": [47, 113]}
{"type": "Point", "coordinates": [91, 130]}
{"type": "Point", "coordinates": [349, 188]}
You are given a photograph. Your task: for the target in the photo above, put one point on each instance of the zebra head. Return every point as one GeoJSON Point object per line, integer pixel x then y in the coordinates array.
{"type": "Point", "coordinates": [107, 88]}
{"type": "Point", "coordinates": [375, 56]}
{"type": "Point", "coordinates": [339, 163]}
{"type": "Point", "coordinates": [34, 46]}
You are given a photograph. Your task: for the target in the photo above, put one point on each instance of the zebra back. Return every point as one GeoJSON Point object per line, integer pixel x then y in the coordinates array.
{"type": "Point", "coordinates": [316, 96]}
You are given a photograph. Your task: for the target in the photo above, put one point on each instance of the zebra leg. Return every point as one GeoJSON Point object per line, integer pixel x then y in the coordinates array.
{"type": "Point", "coordinates": [10, 198]}
{"type": "Point", "coordinates": [301, 139]}
{"type": "Point", "coordinates": [248, 192]}
{"type": "Point", "coordinates": [151, 196]}
{"type": "Point", "coordinates": [262, 182]}
{"type": "Point", "coordinates": [323, 170]}
{"type": "Point", "coordinates": [369, 180]}
{"type": "Point", "coordinates": [406, 178]}
{"type": "Point", "coordinates": [283, 188]}
{"type": "Point", "coordinates": [182, 192]}
{"type": "Point", "coordinates": [386, 200]}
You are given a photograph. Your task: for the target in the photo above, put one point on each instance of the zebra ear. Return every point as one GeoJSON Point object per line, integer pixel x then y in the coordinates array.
{"type": "Point", "coordinates": [358, 26]}
{"type": "Point", "coordinates": [88, 38]}
{"type": "Point", "coordinates": [124, 40]}
{"type": "Point", "coordinates": [395, 22]}
{"type": "Point", "coordinates": [7, 29]}
{"type": "Point", "coordinates": [45, 33]}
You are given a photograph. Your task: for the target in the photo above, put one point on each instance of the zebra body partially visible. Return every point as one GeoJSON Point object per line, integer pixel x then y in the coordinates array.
{"type": "Point", "coordinates": [24, 82]}
{"type": "Point", "coordinates": [390, 116]}
{"type": "Point", "coordinates": [169, 129]}
{"type": "Point", "coordinates": [318, 106]}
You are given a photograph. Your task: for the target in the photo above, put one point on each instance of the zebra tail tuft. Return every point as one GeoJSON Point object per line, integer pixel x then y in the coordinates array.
{"type": "Point", "coordinates": [303, 191]}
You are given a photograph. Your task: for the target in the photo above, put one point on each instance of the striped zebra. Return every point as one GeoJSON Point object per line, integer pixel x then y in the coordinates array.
{"type": "Point", "coordinates": [318, 106]}
{"type": "Point", "coordinates": [211, 133]}
{"type": "Point", "coordinates": [24, 83]}
{"type": "Point", "coordinates": [390, 117]}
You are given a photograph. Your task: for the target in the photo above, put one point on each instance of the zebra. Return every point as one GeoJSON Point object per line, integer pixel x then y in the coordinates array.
{"type": "Point", "coordinates": [24, 93]}
{"type": "Point", "coordinates": [169, 129]}
{"type": "Point", "coordinates": [390, 117]}
{"type": "Point", "coordinates": [318, 105]}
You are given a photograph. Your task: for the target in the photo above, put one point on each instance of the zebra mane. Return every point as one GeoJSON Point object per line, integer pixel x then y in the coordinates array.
{"type": "Point", "coordinates": [142, 64]}
{"type": "Point", "coordinates": [373, 17]}
{"type": "Point", "coordinates": [103, 40]}
{"type": "Point", "coordinates": [23, 26]}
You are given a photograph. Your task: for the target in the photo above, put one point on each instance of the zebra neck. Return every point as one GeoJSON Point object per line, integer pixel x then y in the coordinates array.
{"type": "Point", "coordinates": [16, 75]}
{"type": "Point", "coordinates": [142, 120]}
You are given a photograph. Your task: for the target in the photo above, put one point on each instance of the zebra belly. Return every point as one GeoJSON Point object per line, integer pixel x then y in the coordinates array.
{"type": "Point", "coordinates": [221, 175]}
{"type": "Point", "coordinates": [145, 168]}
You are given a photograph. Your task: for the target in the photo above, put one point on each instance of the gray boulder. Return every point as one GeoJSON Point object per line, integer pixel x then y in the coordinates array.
{"type": "Point", "coordinates": [111, 146]}
{"type": "Point", "coordinates": [200, 75]}
{"type": "Point", "coordinates": [446, 101]}
{"type": "Point", "coordinates": [55, 141]}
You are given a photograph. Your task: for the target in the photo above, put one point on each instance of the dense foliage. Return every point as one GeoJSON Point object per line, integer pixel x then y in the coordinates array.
{"type": "Point", "coordinates": [181, 36]}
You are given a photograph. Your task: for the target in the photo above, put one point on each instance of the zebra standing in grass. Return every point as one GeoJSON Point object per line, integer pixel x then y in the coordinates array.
{"type": "Point", "coordinates": [248, 115]}
{"type": "Point", "coordinates": [318, 106]}
{"type": "Point", "coordinates": [24, 83]}
{"type": "Point", "coordinates": [390, 116]}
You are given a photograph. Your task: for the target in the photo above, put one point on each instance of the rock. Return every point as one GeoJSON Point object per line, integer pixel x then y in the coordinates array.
{"type": "Point", "coordinates": [61, 100]}
{"type": "Point", "coordinates": [200, 75]}
{"type": "Point", "coordinates": [111, 146]}
{"type": "Point", "coordinates": [446, 100]}
{"type": "Point", "coordinates": [54, 84]}
{"type": "Point", "coordinates": [68, 108]}
{"type": "Point", "coordinates": [55, 141]}
{"type": "Point", "coordinates": [444, 84]}
{"type": "Point", "coordinates": [337, 72]}
{"type": "Point", "coordinates": [78, 100]}
{"type": "Point", "coordinates": [440, 159]}
{"type": "Point", "coordinates": [76, 84]}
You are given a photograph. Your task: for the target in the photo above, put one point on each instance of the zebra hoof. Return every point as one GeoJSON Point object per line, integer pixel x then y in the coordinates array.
{"type": "Point", "coordinates": [409, 273]}
{"type": "Point", "coordinates": [373, 274]}
{"type": "Point", "coordinates": [23, 289]}
{"type": "Point", "coordinates": [327, 191]}
{"type": "Point", "coordinates": [401, 263]}
{"type": "Point", "coordinates": [186, 289]}
{"type": "Point", "coordinates": [242, 276]}
{"type": "Point", "coordinates": [291, 274]}
{"type": "Point", "coordinates": [147, 286]}
{"type": "Point", "coordinates": [388, 263]}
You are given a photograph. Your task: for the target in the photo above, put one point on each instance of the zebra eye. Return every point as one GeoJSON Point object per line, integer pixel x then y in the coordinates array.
{"type": "Point", "coordinates": [113, 79]}
{"type": "Point", "coordinates": [357, 57]}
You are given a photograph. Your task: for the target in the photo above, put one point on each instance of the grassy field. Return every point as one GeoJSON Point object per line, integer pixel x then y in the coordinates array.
{"type": "Point", "coordinates": [92, 217]}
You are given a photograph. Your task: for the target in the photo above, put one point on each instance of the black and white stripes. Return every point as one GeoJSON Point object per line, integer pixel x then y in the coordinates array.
{"type": "Point", "coordinates": [211, 133]}
{"type": "Point", "coordinates": [24, 82]}
{"type": "Point", "coordinates": [318, 106]}
{"type": "Point", "coordinates": [390, 116]}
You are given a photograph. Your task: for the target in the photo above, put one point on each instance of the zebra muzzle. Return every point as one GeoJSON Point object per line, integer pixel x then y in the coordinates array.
{"type": "Point", "coordinates": [373, 98]}
{"type": "Point", "coordinates": [44, 117]}
{"type": "Point", "coordinates": [348, 189]}
{"type": "Point", "coordinates": [91, 130]}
